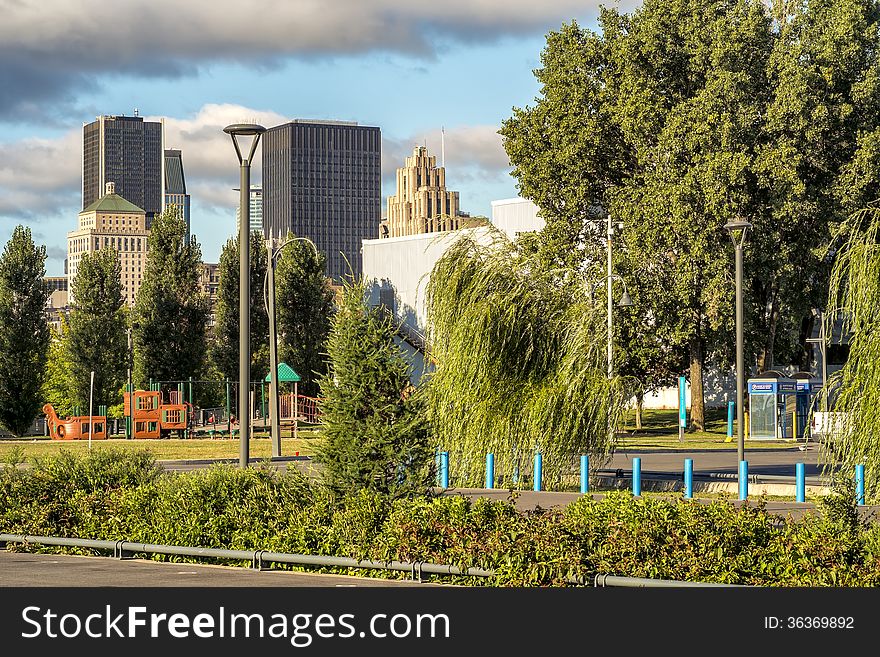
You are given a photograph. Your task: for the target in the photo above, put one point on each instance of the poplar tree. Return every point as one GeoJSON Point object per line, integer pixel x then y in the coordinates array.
{"type": "Point", "coordinates": [224, 341]}
{"type": "Point", "coordinates": [303, 305]}
{"type": "Point", "coordinates": [95, 338]}
{"type": "Point", "coordinates": [24, 340]}
{"type": "Point", "coordinates": [170, 313]}
{"type": "Point", "coordinates": [374, 429]}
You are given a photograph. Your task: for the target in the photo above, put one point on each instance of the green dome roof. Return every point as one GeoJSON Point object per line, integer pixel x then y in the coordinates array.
{"type": "Point", "coordinates": [112, 203]}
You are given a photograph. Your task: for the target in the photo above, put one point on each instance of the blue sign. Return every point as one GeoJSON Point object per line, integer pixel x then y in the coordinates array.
{"type": "Point", "coordinates": [803, 386]}
{"type": "Point", "coordinates": [682, 403]}
{"type": "Point", "coordinates": [767, 387]}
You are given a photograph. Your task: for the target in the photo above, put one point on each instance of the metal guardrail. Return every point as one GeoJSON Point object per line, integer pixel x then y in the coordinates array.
{"type": "Point", "coordinates": [257, 559]}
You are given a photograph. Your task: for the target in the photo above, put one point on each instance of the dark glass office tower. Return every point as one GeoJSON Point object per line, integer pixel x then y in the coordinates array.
{"type": "Point", "coordinates": [175, 184]}
{"type": "Point", "coordinates": [127, 151]}
{"type": "Point", "coordinates": [322, 180]}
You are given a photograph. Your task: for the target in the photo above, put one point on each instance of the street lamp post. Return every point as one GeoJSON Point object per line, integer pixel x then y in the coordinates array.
{"type": "Point", "coordinates": [130, 429]}
{"type": "Point", "coordinates": [244, 310]}
{"type": "Point", "coordinates": [821, 342]}
{"type": "Point", "coordinates": [269, 302]}
{"type": "Point", "coordinates": [738, 230]}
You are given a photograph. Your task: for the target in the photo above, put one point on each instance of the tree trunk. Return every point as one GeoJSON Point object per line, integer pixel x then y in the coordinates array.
{"type": "Point", "coordinates": [640, 403]}
{"type": "Point", "coordinates": [698, 406]}
{"type": "Point", "coordinates": [765, 358]}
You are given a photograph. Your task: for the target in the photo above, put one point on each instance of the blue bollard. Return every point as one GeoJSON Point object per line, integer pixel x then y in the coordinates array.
{"type": "Point", "coordinates": [438, 462]}
{"type": "Point", "coordinates": [743, 480]}
{"type": "Point", "coordinates": [537, 477]}
{"type": "Point", "coordinates": [585, 474]}
{"type": "Point", "coordinates": [490, 470]}
{"type": "Point", "coordinates": [800, 483]}
{"type": "Point", "coordinates": [444, 469]}
{"type": "Point", "coordinates": [637, 476]}
{"type": "Point", "coordinates": [860, 485]}
{"type": "Point", "coordinates": [688, 478]}
{"type": "Point", "coordinates": [730, 406]}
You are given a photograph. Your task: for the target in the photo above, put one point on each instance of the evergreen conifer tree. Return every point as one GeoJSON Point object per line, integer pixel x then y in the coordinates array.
{"type": "Point", "coordinates": [170, 313]}
{"type": "Point", "coordinates": [95, 339]}
{"type": "Point", "coordinates": [224, 341]}
{"type": "Point", "coordinates": [24, 340]}
{"type": "Point", "coordinates": [375, 433]}
{"type": "Point", "coordinates": [303, 305]}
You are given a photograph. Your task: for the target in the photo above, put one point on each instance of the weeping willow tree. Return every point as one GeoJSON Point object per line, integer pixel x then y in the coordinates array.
{"type": "Point", "coordinates": [854, 293]}
{"type": "Point", "coordinates": [519, 364]}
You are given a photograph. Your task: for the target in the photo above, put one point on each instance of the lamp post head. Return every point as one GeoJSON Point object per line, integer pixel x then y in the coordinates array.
{"type": "Point", "coordinates": [738, 229]}
{"type": "Point", "coordinates": [625, 301]}
{"type": "Point", "coordinates": [236, 130]}
{"type": "Point", "coordinates": [244, 129]}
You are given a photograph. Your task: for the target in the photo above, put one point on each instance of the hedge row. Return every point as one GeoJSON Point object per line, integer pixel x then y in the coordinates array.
{"type": "Point", "coordinates": [119, 494]}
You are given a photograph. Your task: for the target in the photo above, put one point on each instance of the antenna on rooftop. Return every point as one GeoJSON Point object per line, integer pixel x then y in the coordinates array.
{"type": "Point", "coordinates": [135, 111]}
{"type": "Point", "coordinates": [442, 147]}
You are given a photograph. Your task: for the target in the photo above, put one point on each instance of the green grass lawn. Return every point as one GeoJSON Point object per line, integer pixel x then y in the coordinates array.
{"type": "Point", "coordinates": [660, 431]}
{"type": "Point", "coordinates": [169, 449]}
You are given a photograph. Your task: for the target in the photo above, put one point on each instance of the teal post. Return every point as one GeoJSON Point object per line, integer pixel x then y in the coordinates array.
{"type": "Point", "coordinates": [682, 408]}
{"type": "Point", "coordinates": [585, 474]}
{"type": "Point", "coordinates": [490, 470]}
{"type": "Point", "coordinates": [800, 482]}
{"type": "Point", "coordinates": [537, 473]}
{"type": "Point", "coordinates": [730, 406]}
{"type": "Point", "coordinates": [637, 477]}
{"type": "Point", "coordinates": [860, 485]}
{"type": "Point", "coordinates": [743, 480]}
{"type": "Point", "coordinates": [689, 478]}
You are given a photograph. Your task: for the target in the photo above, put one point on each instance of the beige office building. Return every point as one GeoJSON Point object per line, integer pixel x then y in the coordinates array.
{"type": "Point", "coordinates": [422, 204]}
{"type": "Point", "coordinates": [111, 221]}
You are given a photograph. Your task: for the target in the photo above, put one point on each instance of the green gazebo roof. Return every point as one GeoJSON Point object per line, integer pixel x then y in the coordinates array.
{"type": "Point", "coordinates": [285, 374]}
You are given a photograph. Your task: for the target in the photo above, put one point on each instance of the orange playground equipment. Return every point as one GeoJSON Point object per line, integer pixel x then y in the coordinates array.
{"type": "Point", "coordinates": [75, 427]}
{"type": "Point", "coordinates": [155, 417]}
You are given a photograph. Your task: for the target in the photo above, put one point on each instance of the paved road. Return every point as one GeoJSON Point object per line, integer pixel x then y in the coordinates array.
{"type": "Point", "coordinates": [22, 569]}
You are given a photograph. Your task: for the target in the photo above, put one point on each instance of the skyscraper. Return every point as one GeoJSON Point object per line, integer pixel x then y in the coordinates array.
{"type": "Point", "coordinates": [256, 210]}
{"type": "Point", "coordinates": [421, 203]}
{"type": "Point", "coordinates": [111, 221]}
{"type": "Point", "coordinates": [127, 151]}
{"type": "Point", "coordinates": [322, 180]}
{"type": "Point", "coordinates": [175, 185]}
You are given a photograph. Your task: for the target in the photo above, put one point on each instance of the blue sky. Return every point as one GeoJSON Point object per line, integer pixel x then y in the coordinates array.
{"type": "Point", "coordinates": [461, 65]}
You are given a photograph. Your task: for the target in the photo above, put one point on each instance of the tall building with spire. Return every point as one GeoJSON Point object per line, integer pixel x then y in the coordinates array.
{"type": "Point", "coordinates": [421, 203]}
{"type": "Point", "coordinates": [111, 221]}
{"type": "Point", "coordinates": [129, 152]}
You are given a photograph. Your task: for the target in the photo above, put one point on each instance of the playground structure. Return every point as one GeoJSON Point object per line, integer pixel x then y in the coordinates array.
{"type": "Point", "coordinates": [158, 416]}
{"type": "Point", "coordinates": [76, 427]}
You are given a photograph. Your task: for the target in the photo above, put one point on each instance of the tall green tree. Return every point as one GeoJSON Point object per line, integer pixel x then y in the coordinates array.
{"type": "Point", "coordinates": [24, 340]}
{"type": "Point", "coordinates": [303, 306]}
{"type": "Point", "coordinates": [56, 384]}
{"type": "Point", "coordinates": [374, 428]}
{"type": "Point", "coordinates": [170, 312]}
{"type": "Point", "coordinates": [683, 115]}
{"type": "Point", "coordinates": [96, 337]}
{"type": "Point", "coordinates": [224, 343]}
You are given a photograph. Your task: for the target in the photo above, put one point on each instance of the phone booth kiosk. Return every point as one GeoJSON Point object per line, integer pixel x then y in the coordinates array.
{"type": "Point", "coordinates": [772, 407]}
{"type": "Point", "coordinates": [805, 398]}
